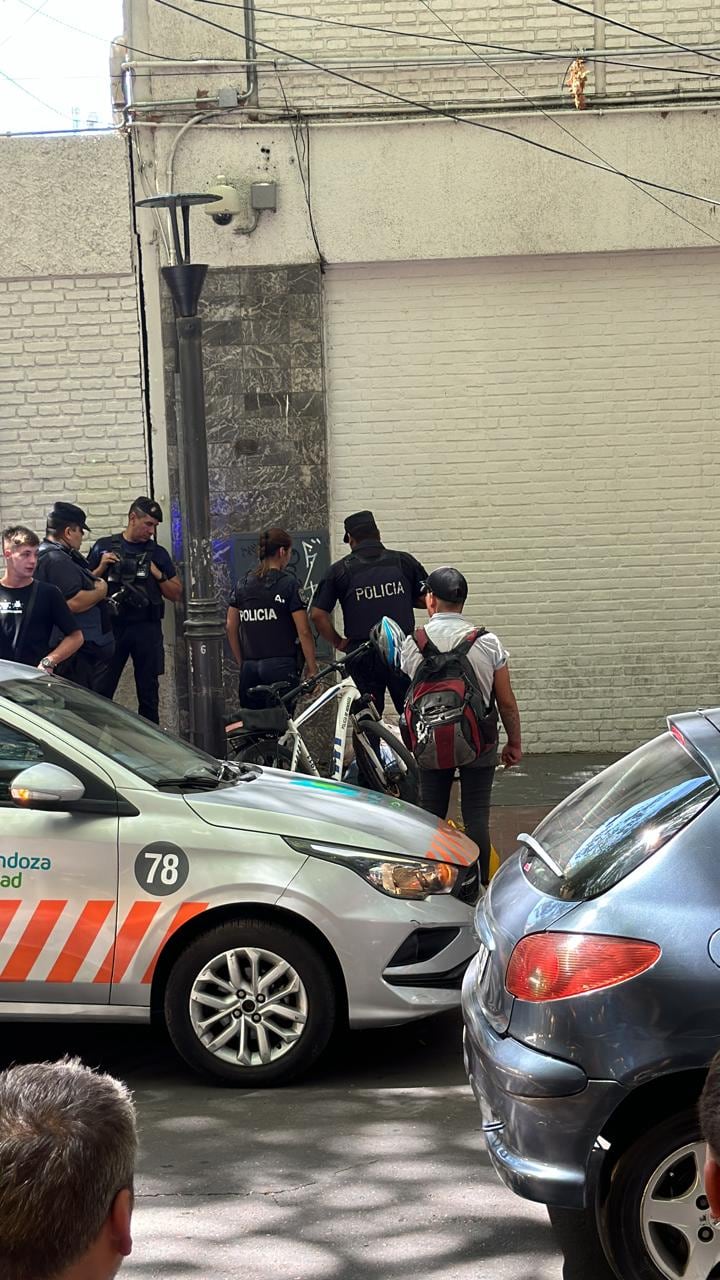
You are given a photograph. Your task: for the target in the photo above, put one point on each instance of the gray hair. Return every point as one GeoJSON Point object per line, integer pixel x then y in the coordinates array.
{"type": "Point", "coordinates": [68, 1144]}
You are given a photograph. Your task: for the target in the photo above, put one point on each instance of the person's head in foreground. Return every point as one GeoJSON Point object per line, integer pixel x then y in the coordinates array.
{"type": "Point", "coordinates": [67, 1156]}
{"type": "Point", "coordinates": [710, 1125]}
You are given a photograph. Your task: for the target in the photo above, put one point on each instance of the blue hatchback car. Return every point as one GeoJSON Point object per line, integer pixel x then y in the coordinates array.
{"type": "Point", "coordinates": [593, 1006]}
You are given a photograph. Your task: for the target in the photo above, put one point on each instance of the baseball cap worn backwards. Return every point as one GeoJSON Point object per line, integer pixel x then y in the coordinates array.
{"type": "Point", "coordinates": [149, 507]}
{"type": "Point", "coordinates": [358, 524]}
{"type": "Point", "coordinates": [63, 514]}
{"type": "Point", "coordinates": [448, 584]}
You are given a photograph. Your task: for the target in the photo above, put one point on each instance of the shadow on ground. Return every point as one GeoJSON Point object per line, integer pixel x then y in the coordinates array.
{"type": "Point", "coordinates": [373, 1166]}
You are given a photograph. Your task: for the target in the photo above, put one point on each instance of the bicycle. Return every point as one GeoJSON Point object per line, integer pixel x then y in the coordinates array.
{"type": "Point", "coordinates": [272, 737]}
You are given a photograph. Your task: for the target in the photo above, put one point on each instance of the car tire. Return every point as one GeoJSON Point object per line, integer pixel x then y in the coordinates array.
{"type": "Point", "coordinates": [280, 1027]}
{"type": "Point", "coordinates": [655, 1214]}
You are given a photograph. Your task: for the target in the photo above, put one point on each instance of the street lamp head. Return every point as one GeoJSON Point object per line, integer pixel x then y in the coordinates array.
{"type": "Point", "coordinates": [182, 200]}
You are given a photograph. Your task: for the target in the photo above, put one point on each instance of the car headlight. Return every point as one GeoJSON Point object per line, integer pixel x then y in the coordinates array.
{"type": "Point", "coordinates": [396, 876]}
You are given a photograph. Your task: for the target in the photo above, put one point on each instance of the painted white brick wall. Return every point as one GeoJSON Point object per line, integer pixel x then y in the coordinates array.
{"type": "Point", "coordinates": [550, 426]}
{"type": "Point", "coordinates": [71, 413]}
{"type": "Point", "coordinates": [530, 25]}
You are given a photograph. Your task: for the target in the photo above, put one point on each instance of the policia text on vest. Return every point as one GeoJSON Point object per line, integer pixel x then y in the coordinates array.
{"type": "Point", "coordinates": [371, 583]}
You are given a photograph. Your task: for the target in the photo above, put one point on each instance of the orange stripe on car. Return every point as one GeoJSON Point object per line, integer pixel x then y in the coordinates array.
{"type": "Point", "coordinates": [36, 933]}
{"type": "Point", "coordinates": [8, 907]}
{"type": "Point", "coordinates": [184, 913]}
{"type": "Point", "coordinates": [84, 933]}
{"type": "Point", "coordinates": [130, 935]}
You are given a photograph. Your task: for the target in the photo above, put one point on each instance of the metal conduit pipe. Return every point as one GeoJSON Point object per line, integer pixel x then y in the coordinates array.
{"type": "Point", "coordinates": [599, 52]}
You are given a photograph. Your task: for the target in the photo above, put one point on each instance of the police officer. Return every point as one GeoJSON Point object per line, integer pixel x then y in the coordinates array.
{"type": "Point", "coordinates": [371, 583]}
{"type": "Point", "coordinates": [140, 577]}
{"type": "Point", "coordinates": [61, 564]}
{"type": "Point", "coordinates": [267, 626]}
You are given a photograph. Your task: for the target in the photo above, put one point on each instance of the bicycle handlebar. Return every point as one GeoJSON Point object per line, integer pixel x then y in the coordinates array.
{"type": "Point", "coordinates": [306, 686]}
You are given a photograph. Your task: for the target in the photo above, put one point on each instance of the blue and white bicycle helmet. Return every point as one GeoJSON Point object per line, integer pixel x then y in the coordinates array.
{"type": "Point", "coordinates": [388, 639]}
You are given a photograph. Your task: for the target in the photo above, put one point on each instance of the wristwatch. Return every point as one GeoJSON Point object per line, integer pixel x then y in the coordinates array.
{"type": "Point", "coordinates": [47, 664]}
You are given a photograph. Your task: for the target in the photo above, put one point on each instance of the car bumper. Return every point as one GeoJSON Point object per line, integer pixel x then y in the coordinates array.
{"type": "Point", "coordinates": [370, 934]}
{"type": "Point", "coordinates": [541, 1117]}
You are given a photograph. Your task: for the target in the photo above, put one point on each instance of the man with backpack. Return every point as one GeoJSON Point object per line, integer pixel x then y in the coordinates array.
{"type": "Point", "coordinates": [371, 583]}
{"type": "Point", "coordinates": [460, 681]}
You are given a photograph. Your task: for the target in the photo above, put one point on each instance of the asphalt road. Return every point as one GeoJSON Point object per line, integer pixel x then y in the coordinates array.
{"type": "Point", "coordinates": [372, 1167]}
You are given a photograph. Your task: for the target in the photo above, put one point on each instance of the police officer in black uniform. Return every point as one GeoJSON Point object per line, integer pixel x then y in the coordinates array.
{"type": "Point", "coordinates": [371, 583]}
{"type": "Point", "coordinates": [267, 627]}
{"type": "Point", "coordinates": [140, 577]}
{"type": "Point", "coordinates": [61, 563]}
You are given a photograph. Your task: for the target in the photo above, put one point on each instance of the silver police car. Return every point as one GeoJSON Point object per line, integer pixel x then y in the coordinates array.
{"type": "Point", "coordinates": [255, 911]}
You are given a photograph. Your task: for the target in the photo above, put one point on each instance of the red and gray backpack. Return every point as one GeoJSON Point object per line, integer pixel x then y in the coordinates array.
{"type": "Point", "coordinates": [446, 722]}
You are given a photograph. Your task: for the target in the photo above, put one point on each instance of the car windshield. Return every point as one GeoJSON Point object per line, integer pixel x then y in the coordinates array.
{"type": "Point", "coordinates": [119, 734]}
{"type": "Point", "coordinates": [617, 820]}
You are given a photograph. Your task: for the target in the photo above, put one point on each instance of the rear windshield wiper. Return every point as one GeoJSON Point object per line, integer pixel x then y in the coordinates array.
{"type": "Point", "coordinates": [535, 847]}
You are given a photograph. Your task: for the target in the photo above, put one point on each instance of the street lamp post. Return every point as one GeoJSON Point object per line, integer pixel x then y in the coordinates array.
{"type": "Point", "coordinates": [204, 625]}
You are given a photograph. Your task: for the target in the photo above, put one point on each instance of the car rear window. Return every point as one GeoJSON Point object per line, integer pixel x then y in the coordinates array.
{"type": "Point", "coordinates": [617, 820]}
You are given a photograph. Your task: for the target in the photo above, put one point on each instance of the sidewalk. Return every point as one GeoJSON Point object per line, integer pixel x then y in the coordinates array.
{"type": "Point", "coordinates": [524, 795]}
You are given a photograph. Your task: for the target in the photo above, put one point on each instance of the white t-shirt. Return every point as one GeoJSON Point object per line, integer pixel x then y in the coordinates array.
{"type": "Point", "coordinates": [448, 629]}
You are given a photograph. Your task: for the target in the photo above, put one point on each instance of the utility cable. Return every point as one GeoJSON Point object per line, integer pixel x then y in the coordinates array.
{"type": "Point", "coordinates": [92, 35]}
{"type": "Point", "coordinates": [35, 98]}
{"type": "Point", "coordinates": [647, 35]}
{"type": "Point", "coordinates": [301, 168]}
{"type": "Point", "coordinates": [439, 112]}
{"type": "Point", "coordinates": [24, 22]}
{"type": "Point", "coordinates": [558, 124]}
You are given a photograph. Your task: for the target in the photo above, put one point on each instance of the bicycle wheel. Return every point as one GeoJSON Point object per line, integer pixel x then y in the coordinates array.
{"type": "Point", "coordinates": [390, 767]}
{"type": "Point", "coordinates": [266, 752]}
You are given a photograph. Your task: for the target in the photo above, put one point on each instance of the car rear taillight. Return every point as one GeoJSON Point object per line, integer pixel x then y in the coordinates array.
{"type": "Point", "coordinates": [553, 966]}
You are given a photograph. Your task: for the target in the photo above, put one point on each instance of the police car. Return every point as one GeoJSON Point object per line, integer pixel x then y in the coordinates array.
{"type": "Point", "coordinates": [253, 910]}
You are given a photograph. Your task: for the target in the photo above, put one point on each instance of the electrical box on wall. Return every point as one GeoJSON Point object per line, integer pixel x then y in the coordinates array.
{"type": "Point", "coordinates": [263, 196]}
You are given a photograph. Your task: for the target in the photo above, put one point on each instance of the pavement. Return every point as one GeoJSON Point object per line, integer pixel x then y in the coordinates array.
{"type": "Point", "coordinates": [374, 1166]}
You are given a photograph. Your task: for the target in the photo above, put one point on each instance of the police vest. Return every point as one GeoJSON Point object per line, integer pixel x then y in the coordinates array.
{"type": "Point", "coordinates": [267, 629]}
{"type": "Point", "coordinates": [374, 588]}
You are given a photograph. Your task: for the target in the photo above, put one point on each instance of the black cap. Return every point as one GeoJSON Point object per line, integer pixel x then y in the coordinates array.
{"type": "Point", "coordinates": [448, 584]}
{"type": "Point", "coordinates": [149, 507]}
{"type": "Point", "coordinates": [362, 522]}
{"type": "Point", "coordinates": [62, 514]}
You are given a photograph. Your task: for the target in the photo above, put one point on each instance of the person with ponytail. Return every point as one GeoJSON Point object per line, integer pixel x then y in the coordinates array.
{"type": "Point", "coordinates": [267, 625]}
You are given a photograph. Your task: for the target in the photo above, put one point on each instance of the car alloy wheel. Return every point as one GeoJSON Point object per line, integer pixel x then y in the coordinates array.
{"type": "Point", "coordinates": [655, 1221]}
{"type": "Point", "coordinates": [248, 1006]}
{"type": "Point", "coordinates": [252, 1002]}
{"type": "Point", "coordinates": [679, 1233]}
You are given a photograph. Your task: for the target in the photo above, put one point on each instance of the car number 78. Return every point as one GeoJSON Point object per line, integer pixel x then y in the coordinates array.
{"type": "Point", "coordinates": [168, 862]}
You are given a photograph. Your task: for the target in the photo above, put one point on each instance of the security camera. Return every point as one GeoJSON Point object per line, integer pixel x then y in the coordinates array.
{"type": "Point", "coordinates": [223, 210]}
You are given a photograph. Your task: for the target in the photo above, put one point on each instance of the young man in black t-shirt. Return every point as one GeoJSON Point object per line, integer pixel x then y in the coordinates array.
{"type": "Point", "coordinates": [30, 611]}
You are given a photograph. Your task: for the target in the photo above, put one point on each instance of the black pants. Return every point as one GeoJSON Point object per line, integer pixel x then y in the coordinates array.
{"type": "Point", "coordinates": [375, 677]}
{"type": "Point", "coordinates": [143, 642]}
{"type": "Point", "coordinates": [475, 788]}
{"type": "Point", "coordinates": [264, 671]}
{"type": "Point", "coordinates": [89, 667]}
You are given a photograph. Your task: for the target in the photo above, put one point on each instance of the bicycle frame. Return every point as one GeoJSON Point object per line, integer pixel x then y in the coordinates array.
{"type": "Point", "coordinates": [345, 693]}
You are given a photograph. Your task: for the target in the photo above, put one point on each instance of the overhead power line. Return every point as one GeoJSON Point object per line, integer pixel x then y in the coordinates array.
{"type": "Point", "coordinates": [563, 128]}
{"type": "Point", "coordinates": [439, 112]}
{"type": "Point", "coordinates": [625, 26]}
{"type": "Point", "coordinates": [48, 105]}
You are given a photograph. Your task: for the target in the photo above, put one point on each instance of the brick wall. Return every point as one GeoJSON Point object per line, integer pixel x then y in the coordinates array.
{"type": "Point", "coordinates": [71, 414]}
{"type": "Point", "coordinates": [519, 24]}
{"type": "Point", "coordinates": [549, 425]}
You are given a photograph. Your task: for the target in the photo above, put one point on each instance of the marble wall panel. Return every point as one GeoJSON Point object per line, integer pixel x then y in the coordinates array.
{"type": "Point", "coordinates": [265, 411]}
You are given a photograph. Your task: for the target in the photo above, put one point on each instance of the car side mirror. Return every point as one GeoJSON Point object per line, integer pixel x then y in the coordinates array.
{"type": "Point", "coordinates": [45, 784]}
